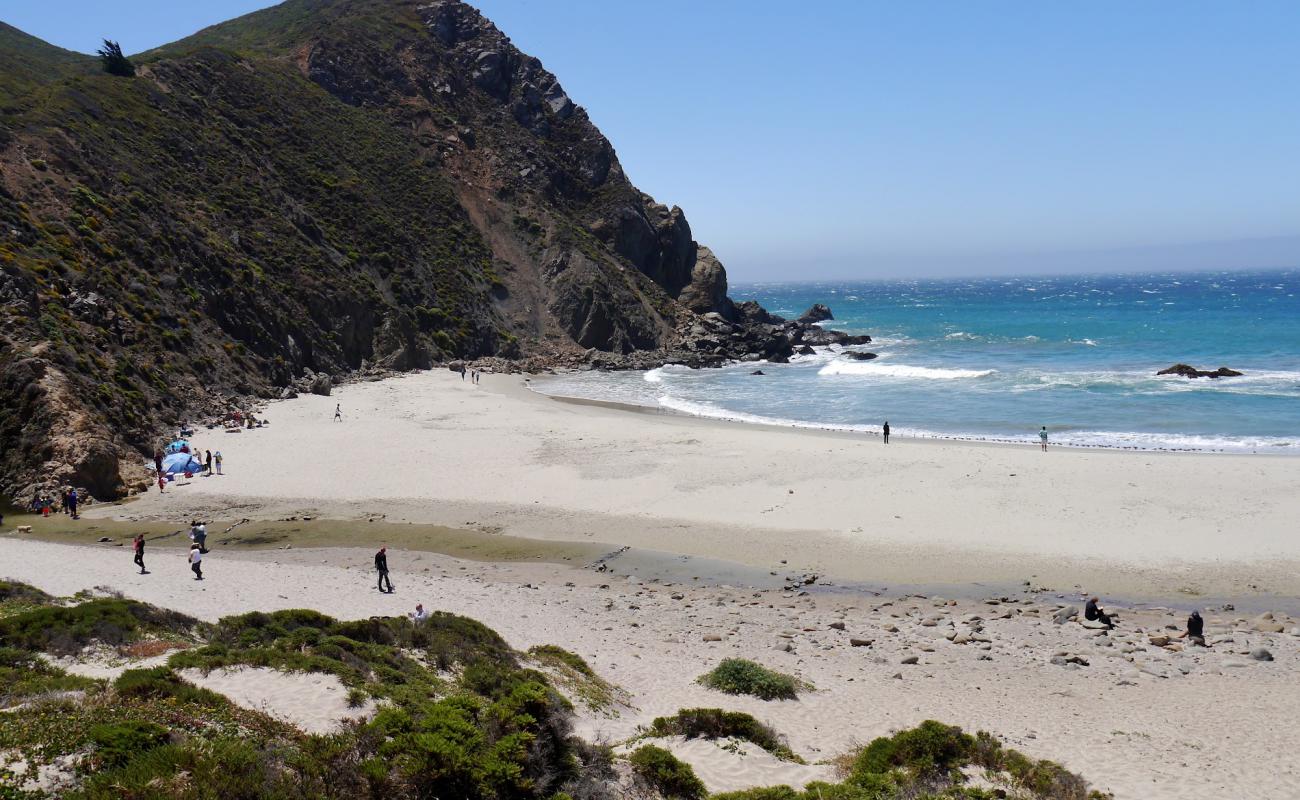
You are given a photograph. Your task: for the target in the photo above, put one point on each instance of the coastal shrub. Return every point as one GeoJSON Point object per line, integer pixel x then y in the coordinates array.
{"type": "Point", "coordinates": [163, 682]}
{"type": "Point", "coordinates": [230, 769]}
{"type": "Point", "coordinates": [111, 621]}
{"type": "Point", "coordinates": [577, 678]}
{"type": "Point", "coordinates": [555, 653]}
{"type": "Point", "coordinates": [117, 743]}
{"type": "Point", "coordinates": [926, 749]}
{"type": "Point", "coordinates": [24, 675]}
{"type": "Point", "coordinates": [714, 723]}
{"type": "Point", "coordinates": [665, 773]}
{"type": "Point", "coordinates": [741, 676]}
{"type": "Point", "coordinates": [26, 594]}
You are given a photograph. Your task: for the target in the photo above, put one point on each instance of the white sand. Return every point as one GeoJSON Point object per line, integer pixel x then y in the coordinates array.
{"type": "Point", "coordinates": [313, 702]}
{"type": "Point", "coordinates": [1141, 721]}
{"type": "Point", "coordinates": [430, 447]}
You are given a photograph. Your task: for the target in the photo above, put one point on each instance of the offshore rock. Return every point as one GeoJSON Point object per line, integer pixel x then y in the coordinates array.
{"type": "Point", "coordinates": [816, 313]}
{"type": "Point", "coordinates": [1192, 372]}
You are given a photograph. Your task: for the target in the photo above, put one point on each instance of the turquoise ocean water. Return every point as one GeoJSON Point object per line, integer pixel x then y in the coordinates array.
{"type": "Point", "coordinates": [996, 358]}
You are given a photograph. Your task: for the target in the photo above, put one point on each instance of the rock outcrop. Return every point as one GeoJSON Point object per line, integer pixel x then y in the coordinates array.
{"type": "Point", "coordinates": [1192, 372]}
{"type": "Point", "coordinates": [816, 313]}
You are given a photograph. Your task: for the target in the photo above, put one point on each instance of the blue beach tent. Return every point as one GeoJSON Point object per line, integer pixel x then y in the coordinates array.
{"type": "Point", "coordinates": [179, 463]}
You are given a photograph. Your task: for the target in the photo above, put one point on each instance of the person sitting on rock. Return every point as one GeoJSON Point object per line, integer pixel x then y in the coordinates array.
{"type": "Point", "coordinates": [1195, 633]}
{"type": "Point", "coordinates": [1094, 613]}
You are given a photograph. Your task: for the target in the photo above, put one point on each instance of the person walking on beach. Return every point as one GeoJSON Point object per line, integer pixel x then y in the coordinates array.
{"type": "Point", "coordinates": [138, 545]}
{"type": "Point", "coordinates": [462, 372]}
{"type": "Point", "coordinates": [1042, 438]}
{"type": "Point", "coordinates": [199, 534]}
{"type": "Point", "coordinates": [381, 566]}
{"type": "Point", "coordinates": [216, 457]}
{"type": "Point", "coordinates": [338, 412]}
{"type": "Point", "coordinates": [207, 465]}
{"type": "Point", "coordinates": [885, 429]}
{"type": "Point", "coordinates": [1094, 613]}
{"type": "Point", "coordinates": [72, 501]}
{"type": "Point", "coordinates": [157, 461]}
{"type": "Point", "coordinates": [196, 562]}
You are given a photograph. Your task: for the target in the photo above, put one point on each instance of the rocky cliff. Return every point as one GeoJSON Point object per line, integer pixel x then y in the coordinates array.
{"type": "Point", "coordinates": [326, 186]}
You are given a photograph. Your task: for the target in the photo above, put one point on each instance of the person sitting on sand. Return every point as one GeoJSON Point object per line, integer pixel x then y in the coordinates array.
{"type": "Point", "coordinates": [419, 614]}
{"type": "Point", "coordinates": [1195, 633]}
{"type": "Point", "coordinates": [1094, 613]}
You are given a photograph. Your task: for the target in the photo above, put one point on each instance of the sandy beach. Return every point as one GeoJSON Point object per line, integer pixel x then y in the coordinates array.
{"type": "Point", "coordinates": [431, 448]}
{"type": "Point", "coordinates": [1139, 720]}
{"type": "Point", "coordinates": [1001, 537]}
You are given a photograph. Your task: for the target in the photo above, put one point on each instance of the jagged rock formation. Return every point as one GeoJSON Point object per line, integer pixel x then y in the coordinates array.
{"type": "Point", "coordinates": [317, 189]}
{"type": "Point", "coordinates": [1188, 371]}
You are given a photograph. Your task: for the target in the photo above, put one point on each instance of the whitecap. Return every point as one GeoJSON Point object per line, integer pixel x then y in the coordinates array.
{"type": "Point", "coordinates": [874, 369]}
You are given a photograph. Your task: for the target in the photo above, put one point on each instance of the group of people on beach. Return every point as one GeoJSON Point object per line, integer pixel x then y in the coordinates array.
{"type": "Point", "coordinates": [1194, 632]}
{"type": "Point", "coordinates": [194, 556]}
{"type": "Point", "coordinates": [209, 464]}
{"type": "Point", "coordinates": [68, 502]}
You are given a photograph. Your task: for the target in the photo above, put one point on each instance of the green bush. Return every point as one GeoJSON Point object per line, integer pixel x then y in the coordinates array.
{"type": "Point", "coordinates": [162, 682]}
{"type": "Point", "coordinates": [111, 621]}
{"type": "Point", "coordinates": [714, 723]}
{"type": "Point", "coordinates": [554, 653]}
{"type": "Point", "coordinates": [671, 777]}
{"type": "Point", "coordinates": [926, 749]}
{"type": "Point", "coordinates": [740, 676]}
{"type": "Point", "coordinates": [117, 743]}
{"type": "Point", "coordinates": [24, 675]}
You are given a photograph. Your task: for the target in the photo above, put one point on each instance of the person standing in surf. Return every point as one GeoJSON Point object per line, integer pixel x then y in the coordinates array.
{"type": "Point", "coordinates": [885, 430]}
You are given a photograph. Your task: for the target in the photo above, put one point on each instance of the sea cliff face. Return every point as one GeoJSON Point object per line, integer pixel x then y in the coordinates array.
{"type": "Point", "coordinates": [323, 187]}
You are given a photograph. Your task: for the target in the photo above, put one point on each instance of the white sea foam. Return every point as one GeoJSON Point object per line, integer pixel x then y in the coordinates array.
{"type": "Point", "coordinates": [654, 375]}
{"type": "Point", "coordinates": [963, 336]}
{"type": "Point", "coordinates": [874, 369]}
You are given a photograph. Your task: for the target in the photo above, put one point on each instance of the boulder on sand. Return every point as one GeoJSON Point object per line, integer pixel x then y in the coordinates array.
{"type": "Point", "coordinates": [1188, 371]}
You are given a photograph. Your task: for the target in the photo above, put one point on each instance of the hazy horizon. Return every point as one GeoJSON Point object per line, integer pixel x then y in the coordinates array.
{"type": "Point", "coordinates": [874, 140]}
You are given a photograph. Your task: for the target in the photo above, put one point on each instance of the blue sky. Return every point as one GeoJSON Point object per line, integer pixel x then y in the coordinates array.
{"type": "Point", "coordinates": [847, 139]}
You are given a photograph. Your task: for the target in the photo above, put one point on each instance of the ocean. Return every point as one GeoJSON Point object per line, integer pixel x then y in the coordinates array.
{"type": "Point", "coordinates": [996, 358]}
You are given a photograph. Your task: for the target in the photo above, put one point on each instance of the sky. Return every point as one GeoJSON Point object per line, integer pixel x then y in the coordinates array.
{"type": "Point", "coordinates": [844, 139]}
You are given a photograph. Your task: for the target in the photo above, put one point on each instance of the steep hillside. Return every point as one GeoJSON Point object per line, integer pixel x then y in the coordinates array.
{"type": "Point", "coordinates": [325, 186]}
